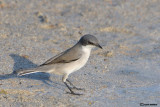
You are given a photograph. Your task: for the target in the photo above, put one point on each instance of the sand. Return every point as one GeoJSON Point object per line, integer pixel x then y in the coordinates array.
{"type": "Point", "coordinates": [124, 74]}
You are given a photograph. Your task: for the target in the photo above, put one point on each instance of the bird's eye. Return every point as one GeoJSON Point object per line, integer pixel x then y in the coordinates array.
{"type": "Point", "coordinates": [91, 43]}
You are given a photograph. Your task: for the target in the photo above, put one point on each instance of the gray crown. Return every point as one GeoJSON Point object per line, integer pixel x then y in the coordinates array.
{"type": "Point", "coordinates": [89, 40]}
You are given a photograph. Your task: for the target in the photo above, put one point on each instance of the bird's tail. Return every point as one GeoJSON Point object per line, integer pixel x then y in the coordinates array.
{"type": "Point", "coordinates": [25, 72]}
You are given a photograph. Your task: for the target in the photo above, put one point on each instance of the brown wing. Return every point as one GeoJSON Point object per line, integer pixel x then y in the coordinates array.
{"type": "Point", "coordinates": [67, 56]}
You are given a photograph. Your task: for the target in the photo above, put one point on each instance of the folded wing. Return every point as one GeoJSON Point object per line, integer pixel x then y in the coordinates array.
{"type": "Point", "coordinates": [67, 56]}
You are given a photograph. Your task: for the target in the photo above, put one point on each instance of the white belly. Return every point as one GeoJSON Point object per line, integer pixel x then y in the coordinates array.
{"type": "Point", "coordinates": [76, 65]}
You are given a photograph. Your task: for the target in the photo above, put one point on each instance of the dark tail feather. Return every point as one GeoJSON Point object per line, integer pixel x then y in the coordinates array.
{"type": "Point", "coordinates": [25, 72]}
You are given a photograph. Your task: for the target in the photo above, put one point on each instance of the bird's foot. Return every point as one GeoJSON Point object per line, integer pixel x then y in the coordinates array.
{"type": "Point", "coordinates": [73, 93]}
{"type": "Point", "coordinates": [78, 88]}
{"type": "Point", "coordinates": [74, 87]}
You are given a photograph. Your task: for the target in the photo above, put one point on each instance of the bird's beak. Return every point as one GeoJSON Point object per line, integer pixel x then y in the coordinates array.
{"type": "Point", "coordinates": [99, 46]}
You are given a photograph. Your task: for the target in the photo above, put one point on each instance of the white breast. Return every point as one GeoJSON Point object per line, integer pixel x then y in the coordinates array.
{"type": "Point", "coordinates": [76, 65]}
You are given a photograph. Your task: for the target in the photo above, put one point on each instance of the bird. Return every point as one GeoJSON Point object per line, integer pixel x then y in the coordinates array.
{"type": "Point", "coordinates": [67, 62]}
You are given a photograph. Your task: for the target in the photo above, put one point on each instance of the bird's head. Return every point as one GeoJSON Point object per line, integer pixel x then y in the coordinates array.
{"type": "Point", "coordinates": [89, 41]}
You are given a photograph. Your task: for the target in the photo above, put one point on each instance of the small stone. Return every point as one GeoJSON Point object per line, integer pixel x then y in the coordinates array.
{"type": "Point", "coordinates": [4, 36]}
{"type": "Point", "coordinates": [2, 91]}
{"type": "Point", "coordinates": [47, 26]}
{"type": "Point", "coordinates": [108, 54]}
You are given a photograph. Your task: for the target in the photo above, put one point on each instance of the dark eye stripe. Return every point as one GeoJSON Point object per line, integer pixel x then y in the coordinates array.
{"type": "Point", "coordinates": [91, 43]}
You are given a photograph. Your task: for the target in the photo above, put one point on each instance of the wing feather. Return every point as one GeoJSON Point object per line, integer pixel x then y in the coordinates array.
{"type": "Point", "coordinates": [67, 56]}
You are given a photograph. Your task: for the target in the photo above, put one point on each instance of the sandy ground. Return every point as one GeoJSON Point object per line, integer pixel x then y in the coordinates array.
{"type": "Point", "coordinates": [124, 74]}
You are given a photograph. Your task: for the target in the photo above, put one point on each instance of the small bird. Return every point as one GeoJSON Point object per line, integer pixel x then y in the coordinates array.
{"type": "Point", "coordinates": [68, 61]}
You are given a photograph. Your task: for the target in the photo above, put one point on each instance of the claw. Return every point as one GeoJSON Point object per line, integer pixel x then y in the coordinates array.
{"type": "Point", "coordinates": [73, 93]}
{"type": "Point", "coordinates": [74, 87]}
{"type": "Point", "coordinates": [78, 88]}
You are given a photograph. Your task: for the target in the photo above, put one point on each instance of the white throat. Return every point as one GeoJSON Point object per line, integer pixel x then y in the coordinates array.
{"type": "Point", "coordinates": [87, 49]}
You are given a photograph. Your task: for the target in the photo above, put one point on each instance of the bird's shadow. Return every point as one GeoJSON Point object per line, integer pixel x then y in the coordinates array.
{"type": "Point", "coordinates": [20, 63]}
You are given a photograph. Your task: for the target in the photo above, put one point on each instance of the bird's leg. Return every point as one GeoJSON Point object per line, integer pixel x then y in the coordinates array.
{"type": "Point", "coordinates": [72, 92]}
{"type": "Point", "coordinates": [74, 87]}
{"type": "Point", "coordinates": [64, 80]}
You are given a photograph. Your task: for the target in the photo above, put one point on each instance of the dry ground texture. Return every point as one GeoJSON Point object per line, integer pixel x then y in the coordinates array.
{"type": "Point", "coordinates": [124, 74]}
